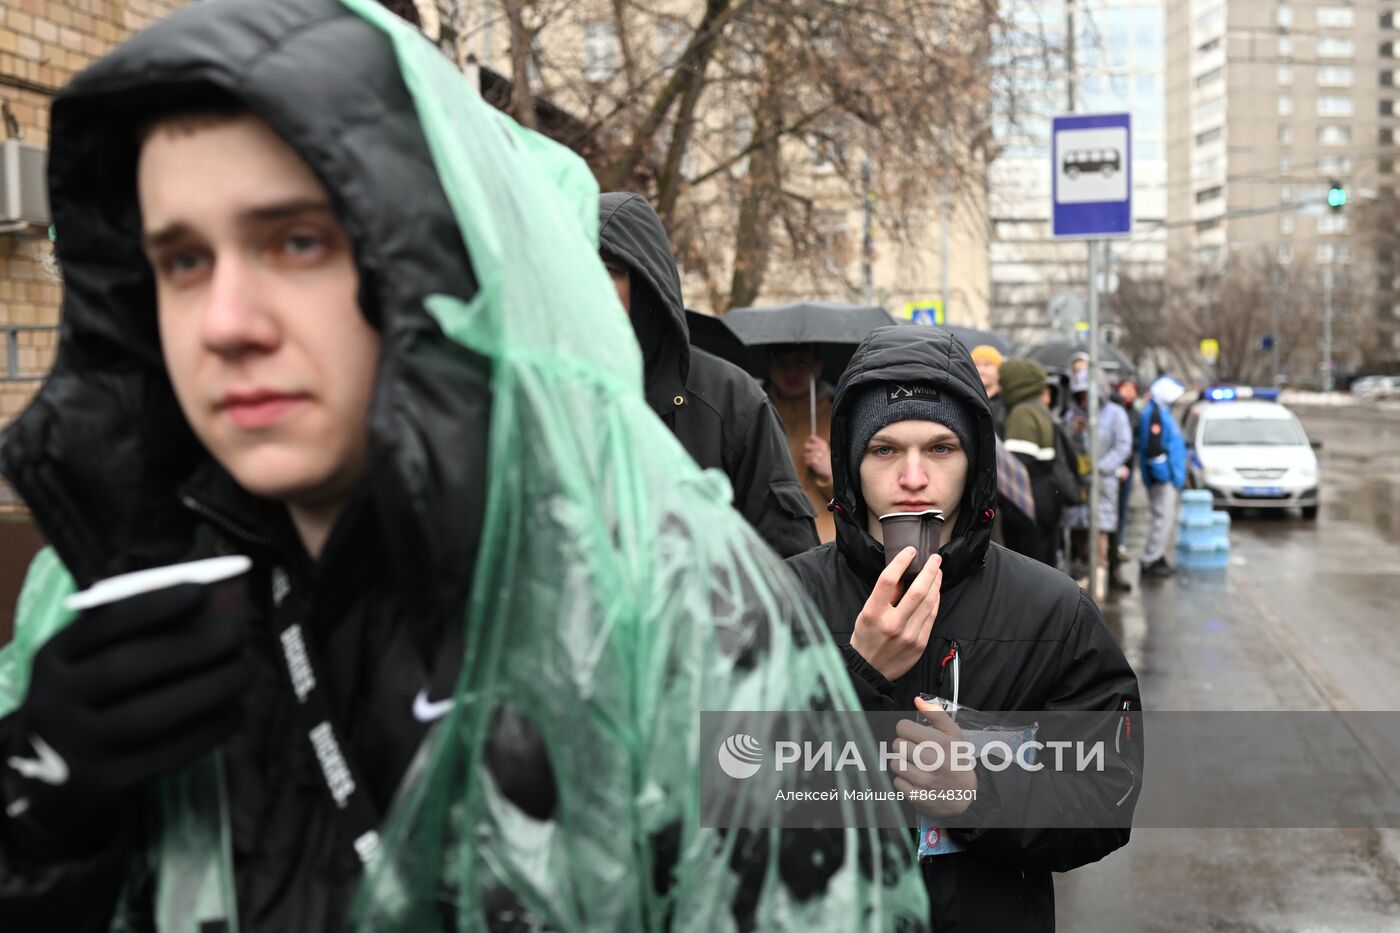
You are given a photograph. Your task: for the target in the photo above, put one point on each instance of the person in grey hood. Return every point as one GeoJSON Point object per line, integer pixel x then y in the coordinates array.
{"type": "Point", "coordinates": [987, 627]}
{"type": "Point", "coordinates": [715, 409]}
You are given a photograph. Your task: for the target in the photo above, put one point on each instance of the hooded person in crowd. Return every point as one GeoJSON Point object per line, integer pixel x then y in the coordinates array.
{"type": "Point", "coordinates": [716, 410]}
{"type": "Point", "coordinates": [1162, 449]}
{"type": "Point", "coordinates": [313, 319]}
{"type": "Point", "coordinates": [1030, 436]}
{"type": "Point", "coordinates": [1115, 450]}
{"type": "Point", "coordinates": [992, 629]}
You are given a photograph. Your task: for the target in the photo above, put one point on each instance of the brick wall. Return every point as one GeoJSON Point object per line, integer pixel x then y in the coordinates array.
{"type": "Point", "coordinates": [43, 43]}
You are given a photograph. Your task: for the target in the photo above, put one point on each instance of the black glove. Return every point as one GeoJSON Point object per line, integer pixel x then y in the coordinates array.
{"type": "Point", "coordinates": [129, 692]}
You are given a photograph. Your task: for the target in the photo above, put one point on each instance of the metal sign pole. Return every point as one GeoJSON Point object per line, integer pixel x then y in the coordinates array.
{"type": "Point", "coordinates": [1093, 421]}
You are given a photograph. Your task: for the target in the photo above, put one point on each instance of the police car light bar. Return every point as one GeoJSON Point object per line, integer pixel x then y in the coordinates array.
{"type": "Point", "coordinates": [1231, 393]}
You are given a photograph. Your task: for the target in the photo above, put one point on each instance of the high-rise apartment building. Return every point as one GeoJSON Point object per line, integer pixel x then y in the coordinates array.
{"type": "Point", "coordinates": [1071, 56]}
{"type": "Point", "coordinates": [1270, 104]}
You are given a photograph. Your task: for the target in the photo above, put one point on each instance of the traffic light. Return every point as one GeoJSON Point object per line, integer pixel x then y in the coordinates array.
{"type": "Point", "coordinates": [1336, 196]}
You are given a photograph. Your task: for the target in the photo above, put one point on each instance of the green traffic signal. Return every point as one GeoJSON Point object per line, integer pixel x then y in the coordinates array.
{"type": "Point", "coordinates": [1336, 196]}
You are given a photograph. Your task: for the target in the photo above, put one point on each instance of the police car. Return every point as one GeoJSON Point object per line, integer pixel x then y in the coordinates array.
{"type": "Point", "coordinates": [1250, 451]}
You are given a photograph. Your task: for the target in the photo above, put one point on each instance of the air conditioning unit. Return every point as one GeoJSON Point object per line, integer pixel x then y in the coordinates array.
{"type": "Point", "coordinates": [24, 189]}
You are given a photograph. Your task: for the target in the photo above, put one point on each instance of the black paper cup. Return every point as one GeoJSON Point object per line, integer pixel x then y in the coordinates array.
{"type": "Point", "coordinates": [921, 530]}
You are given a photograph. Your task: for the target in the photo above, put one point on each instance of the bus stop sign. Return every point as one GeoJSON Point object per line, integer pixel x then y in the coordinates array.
{"type": "Point", "coordinates": [1092, 175]}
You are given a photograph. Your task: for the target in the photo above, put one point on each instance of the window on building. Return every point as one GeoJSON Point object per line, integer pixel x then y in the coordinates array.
{"type": "Point", "coordinates": [1285, 224]}
{"type": "Point", "coordinates": [1210, 46]}
{"type": "Point", "coordinates": [1332, 135]}
{"type": "Point", "coordinates": [1330, 223]}
{"type": "Point", "coordinates": [1205, 226]}
{"type": "Point", "coordinates": [1285, 194]}
{"type": "Point", "coordinates": [1334, 76]}
{"type": "Point", "coordinates": [1285, 164]}
{"type": "Point", "coordinates": [1285, 75]}
{"type": "Point", "coordinates": [1335, 17]}
{"type": "Point", "coordinates": [1334, 165]}
{"type": "Point", "coordinates": [601, 52]}
{"type": "Point", "coordinates": [1387, 137]}
{"type": "Point", "coordinates": [1285, 134]}
{"type": "Point", "coordinates": [1343, 254]}
{"type": "Point", "coordinates": [1387, 108]}
{"type": "Point", "coordinates": [1209, 136]}
{"type": "Point", "coordinates": [1208, 194]}
{"type": "Point", "coordinates": [1335, 47]}
{"type": "Point", "coordinates": [1285, 105]}
{"type": "Point", "coordinates": [1211, 22]}
{"type": "Point", "coordinates": [1387, 79]}
{"type": "Point", "coordinates": [1285, 16]}
{"type": "Point", "coordinates": [1209, 77]}
{"type": "Point", "coordinates": [1204, 167]}
{"type": "Point", "coordinates": [1285, 253]}
{"type": "Point", "coordinates": [1325, 253]}
{"type": "Point", "coordinates": [1208, 111]}
{"type": "Point", "coordinates": [1285, 46]}
{"type": "Point", "coordinates": [1329, 106]}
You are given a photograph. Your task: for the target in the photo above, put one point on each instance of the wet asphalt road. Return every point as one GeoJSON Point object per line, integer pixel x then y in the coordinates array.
{"type": "Point", "coordinates": [1307, 617]}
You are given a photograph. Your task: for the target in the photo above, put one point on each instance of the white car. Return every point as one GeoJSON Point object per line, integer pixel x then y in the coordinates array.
{"type": "Point", "coordinates": [1250, 453]}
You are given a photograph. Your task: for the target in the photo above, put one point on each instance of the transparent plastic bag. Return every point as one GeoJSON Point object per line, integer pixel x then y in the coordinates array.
{"type": "Point", "coordinates": [980, 729]}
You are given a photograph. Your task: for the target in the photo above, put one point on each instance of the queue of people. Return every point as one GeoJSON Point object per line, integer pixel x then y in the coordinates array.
{"type": "Point", "coordinates": [313, 321]}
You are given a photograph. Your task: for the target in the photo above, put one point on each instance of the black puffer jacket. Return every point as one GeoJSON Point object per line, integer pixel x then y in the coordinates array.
{"type": "Point", "coordinates": [715, 409]}
{"type": "Point", "coordinates": [1023, 635]}
{"type": "Point", "coordinates": [117, 482]}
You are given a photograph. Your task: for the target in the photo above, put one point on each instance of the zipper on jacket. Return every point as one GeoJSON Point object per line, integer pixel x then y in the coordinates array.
{"type": "Point", "coordinates": [224, 522]}
{"type": "Point", "coordinates": [1125, 731]}
{"type": "Point", "coordinates": [952, 655]}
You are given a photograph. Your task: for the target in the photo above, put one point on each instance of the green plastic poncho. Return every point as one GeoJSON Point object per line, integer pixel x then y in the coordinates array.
{"type": "Point", "coordinates": [617, 595]}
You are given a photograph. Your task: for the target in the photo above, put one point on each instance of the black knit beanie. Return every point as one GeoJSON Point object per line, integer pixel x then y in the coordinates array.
{"type": "Point", "coordinates": [885, 403]}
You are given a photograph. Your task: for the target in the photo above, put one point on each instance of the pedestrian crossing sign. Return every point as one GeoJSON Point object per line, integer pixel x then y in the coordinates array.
{"type": "Point", "coordinates": [924, 312]}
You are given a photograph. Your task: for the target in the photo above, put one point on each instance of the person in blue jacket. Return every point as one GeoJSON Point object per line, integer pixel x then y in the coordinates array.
{"type": "Point", "coordinates": [1162, 447]}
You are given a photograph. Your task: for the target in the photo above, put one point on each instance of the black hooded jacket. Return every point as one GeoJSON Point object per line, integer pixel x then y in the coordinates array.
{"type": "Point", "coordinates": [117, 481]}
{"type": "Point", "coordinates": [1024, 636]}
{"type": "Point", "coordinates": [715, 409]}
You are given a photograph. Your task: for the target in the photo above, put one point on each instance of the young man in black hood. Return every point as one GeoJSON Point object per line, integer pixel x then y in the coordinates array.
{"type": "Point", "coordinates": [715, 409]}
{"type": "Point", "coordinates": [989, 628]}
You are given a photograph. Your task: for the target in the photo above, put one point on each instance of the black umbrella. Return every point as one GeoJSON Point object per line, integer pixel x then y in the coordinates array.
{"type": "Point", "coordinates": [712, 334]}
{"type": "Point", "coordinates": [834, 330]}
{"type": "Point", "coordinates": [973, 336]}
{"type": "Point", "coordinates": [1056, 355]}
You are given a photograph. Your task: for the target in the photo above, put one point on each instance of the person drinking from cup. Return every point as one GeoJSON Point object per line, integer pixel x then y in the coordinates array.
{"type": "Point", "coordinates": [912, 431]}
